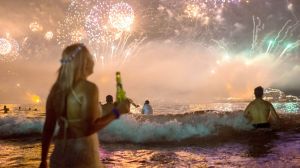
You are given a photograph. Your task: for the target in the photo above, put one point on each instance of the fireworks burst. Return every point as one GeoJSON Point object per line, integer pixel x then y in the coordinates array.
{"type": "Point", "coordinates": [35, 27]}
{"type": "Point", "coordinates": [121, 16]}
{"type": "Point", "coordinates": [106, 28]}
{"type": "Point", "coordinates": [48, 35]}
{"type": "Point", "coordinates": [193, 11]}
{"type": "Point", "coordinates": [96, 22]}
{"type": "Point", "coordinates": [278, 45]}
{"type": "Point", "coordinates": [199, 11]}
{"type": "Point", "coordinates": [194, 19]}
{"type": "Point", "coordinates": [77, 36]}
{"type": "Point", "coordinates": [204, 9]}
{"type": "Point", "coordinates": [9, 49]}
{"type": "Point", "coordinates": [71, 29]}
{"type": "Point", "coordinates": [5, 46]}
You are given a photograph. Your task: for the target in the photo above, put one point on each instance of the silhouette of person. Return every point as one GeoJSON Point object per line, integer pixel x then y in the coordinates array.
{"type": "Point", "coordinates": [108, 106]}
{"type": "Point", "coordinates": [260, 112]}
{"type": "Point", "coordinates": [73, 104]}
{"type": "Point", "coordinates": [5, 109]}
{"type": "Point", "coordinates": [147, 109]}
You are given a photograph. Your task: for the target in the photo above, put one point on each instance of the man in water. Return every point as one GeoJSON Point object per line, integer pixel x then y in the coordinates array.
{"type": "Point", "coordinates": [147, 109]}
{"type": "Point", "coordinates": [5, 109]}
{"type": "Point", "coordinates": [259, 112]}
{"type": "Point", "coordinates": [108, 106]}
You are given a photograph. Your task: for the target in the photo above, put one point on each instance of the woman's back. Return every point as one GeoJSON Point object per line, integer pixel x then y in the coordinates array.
{"type": "Point", "coordinates": [76, 116]}
{"type": "Point", "coordinates": [74, 147]}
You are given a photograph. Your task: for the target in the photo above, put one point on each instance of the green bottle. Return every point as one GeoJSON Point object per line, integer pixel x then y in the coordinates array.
{"type": "Point", "coordinates": [121, 94]}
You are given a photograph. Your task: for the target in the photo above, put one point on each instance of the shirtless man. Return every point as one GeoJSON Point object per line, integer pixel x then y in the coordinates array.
{"type": "Point", "coordinates": [108, 106]}
{"type": "Point", "coordinates": [259, 112]}
{"type": "Point", "coordinates": [5, 109]}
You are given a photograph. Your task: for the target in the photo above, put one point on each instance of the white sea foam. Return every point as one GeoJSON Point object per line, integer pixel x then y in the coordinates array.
{"type": "Point", "coordinates": [171, 127]}
{"type": "Point", "coordinates": [143, 129]}
{"type": "Point", "coordinates": [138, 128]}
{"type": "Point", "coordinates": [20, 126]}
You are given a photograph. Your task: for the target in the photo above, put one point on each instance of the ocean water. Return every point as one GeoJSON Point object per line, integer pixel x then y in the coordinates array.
{"type": "Point", "coordinates": [196, 135]}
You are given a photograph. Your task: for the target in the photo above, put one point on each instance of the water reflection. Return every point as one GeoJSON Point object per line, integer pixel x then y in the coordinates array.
{"type": "Point", "coordinates": [260, 143]}
{"type": "Point", "coordinates": [289, 107]}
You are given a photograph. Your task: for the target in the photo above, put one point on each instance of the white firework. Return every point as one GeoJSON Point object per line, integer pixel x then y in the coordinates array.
{"type": "Point", "coordinates": [104, 27]}
{"type": "Point", "coordinates": [70, 30]}
{"type": "Point", "coordinates": [96, 22]}
{"type": "Point", "coordinates": [5, 46]}
{"type": "Point", "coordinates": [48, 35]}
{"type": "Point", "coordinates": [9, 49]}
{"type": "Point", "coordinates": [121, 16]}
{"type": "Point", "coordinates": [77, 35]}
{"type": "Point", "coordinates": [35, 26]}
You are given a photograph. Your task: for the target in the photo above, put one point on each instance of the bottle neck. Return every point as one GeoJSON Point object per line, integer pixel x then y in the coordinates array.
{"type": "Point", "coordinates": [119, 85]}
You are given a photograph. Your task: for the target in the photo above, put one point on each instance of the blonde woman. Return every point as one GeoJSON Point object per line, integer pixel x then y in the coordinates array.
{"type": "Point", "coordinates": [73, 104]}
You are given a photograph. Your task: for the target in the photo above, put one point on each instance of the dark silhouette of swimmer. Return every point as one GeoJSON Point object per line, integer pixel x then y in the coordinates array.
{"type": "Point", "coordinates": [260, 112]}
{"type": "Point", "coordinates": [108, 106]}
{"type": "Point", "coordinates": [5, 109]}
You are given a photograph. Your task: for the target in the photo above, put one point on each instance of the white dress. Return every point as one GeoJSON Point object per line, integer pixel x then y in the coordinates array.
{"type": "Point", "coordinates": [80, 152]}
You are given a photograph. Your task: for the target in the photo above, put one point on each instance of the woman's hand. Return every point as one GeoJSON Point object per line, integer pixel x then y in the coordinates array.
{"type": "Point", "coordinates": [124, 107]}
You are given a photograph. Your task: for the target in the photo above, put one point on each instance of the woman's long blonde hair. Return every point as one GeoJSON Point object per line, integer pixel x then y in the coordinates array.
{"type": "Point", "coordinates": [73, 68]}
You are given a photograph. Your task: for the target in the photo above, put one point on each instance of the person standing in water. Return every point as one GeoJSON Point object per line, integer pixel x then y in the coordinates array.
{"type": "Point", "coordinates": [73, 104]}
{"type": "Point", "coordinates": [5, 109]}
{"type": "Point", "coordinates": [259, 112]}
{"type": "Point", "coordinates": [147, 109]}
{"type": "Point", "coordinates": [108, 106]}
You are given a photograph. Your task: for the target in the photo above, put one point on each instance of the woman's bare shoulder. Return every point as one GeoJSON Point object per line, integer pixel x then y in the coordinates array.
{"type": "Point", "coordinates": [87, 86]}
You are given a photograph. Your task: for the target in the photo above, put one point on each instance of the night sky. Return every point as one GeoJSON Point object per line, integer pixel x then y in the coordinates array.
{"type": "Point", "coordinates": [38, 31]}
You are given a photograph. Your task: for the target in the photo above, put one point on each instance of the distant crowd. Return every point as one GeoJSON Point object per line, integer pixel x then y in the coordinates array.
{"type": "Point", "coordinates": [6, 109]}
